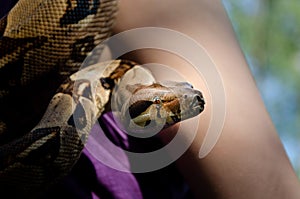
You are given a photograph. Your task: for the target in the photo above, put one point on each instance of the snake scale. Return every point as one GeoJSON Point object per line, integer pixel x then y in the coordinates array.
{"type": "Point", "coordinates": [43, 44]}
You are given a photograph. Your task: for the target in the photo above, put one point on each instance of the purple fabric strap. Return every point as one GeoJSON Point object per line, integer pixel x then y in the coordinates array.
{"type": "Point", "coordinates": [91, 178]}
{"type": "Point", "coordinates": [121, 185]}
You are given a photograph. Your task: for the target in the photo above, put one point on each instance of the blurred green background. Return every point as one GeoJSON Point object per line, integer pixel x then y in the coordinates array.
{"type": "Point", "coordinates": [269, 34]}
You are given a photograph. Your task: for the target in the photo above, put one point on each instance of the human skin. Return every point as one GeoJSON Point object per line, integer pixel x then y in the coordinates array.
{"type": "Point", "coordinates": [248, 161]}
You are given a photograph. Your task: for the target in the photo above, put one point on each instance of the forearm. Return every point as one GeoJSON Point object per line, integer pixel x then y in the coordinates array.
{"type": "Point", "coordinates": [248, 160]}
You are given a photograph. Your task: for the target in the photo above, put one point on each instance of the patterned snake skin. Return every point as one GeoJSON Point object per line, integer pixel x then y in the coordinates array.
{"type": "Point", "coordinates": [43, 43]}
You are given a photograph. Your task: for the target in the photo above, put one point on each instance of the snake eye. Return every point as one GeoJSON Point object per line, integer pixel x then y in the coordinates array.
{"type": "Point", "coordinates": [156, 100]}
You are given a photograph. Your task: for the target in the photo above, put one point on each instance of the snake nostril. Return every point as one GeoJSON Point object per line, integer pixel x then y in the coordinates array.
{"type": "Point", "coordinates": [198, 100]}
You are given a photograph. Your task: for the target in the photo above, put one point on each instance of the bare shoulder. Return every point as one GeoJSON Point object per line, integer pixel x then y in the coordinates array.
{"type": "Point", "coordinates": [139, 13]}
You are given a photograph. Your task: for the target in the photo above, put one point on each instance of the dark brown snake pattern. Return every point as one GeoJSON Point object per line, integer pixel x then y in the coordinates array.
{"type": "Point", "coordinates": [43, 43]}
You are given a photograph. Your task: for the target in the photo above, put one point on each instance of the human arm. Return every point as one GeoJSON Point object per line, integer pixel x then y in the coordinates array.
{"type": "Point", "coordinates": [248, 160]}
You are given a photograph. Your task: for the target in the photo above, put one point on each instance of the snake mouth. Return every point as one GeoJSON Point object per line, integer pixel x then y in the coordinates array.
{"type": "Point", "coordinates": [195, 107]}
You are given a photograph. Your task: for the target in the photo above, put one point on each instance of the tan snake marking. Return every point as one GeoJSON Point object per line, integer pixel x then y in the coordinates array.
{"type": "Point", "coordinates": [44, 44]}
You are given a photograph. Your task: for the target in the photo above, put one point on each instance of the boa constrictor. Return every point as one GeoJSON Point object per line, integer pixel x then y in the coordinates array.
{"type": "Point", "coordinates": [43, 43]}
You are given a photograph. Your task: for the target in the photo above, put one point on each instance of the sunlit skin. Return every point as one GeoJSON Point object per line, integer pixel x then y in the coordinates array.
{"type": "Point", "coordinates": [249, 160]}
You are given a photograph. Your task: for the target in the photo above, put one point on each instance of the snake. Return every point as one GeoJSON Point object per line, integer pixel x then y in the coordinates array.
{"type": "Point", "coordinates": [49, 103]}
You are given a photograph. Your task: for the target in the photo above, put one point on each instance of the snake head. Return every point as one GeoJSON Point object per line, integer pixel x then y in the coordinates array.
{"type": "Point", "coordinates": [160, 105]}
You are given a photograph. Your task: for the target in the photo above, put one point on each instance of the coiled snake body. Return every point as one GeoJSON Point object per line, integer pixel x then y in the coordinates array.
{"type": "Point", "coordinates": [42, 44]}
